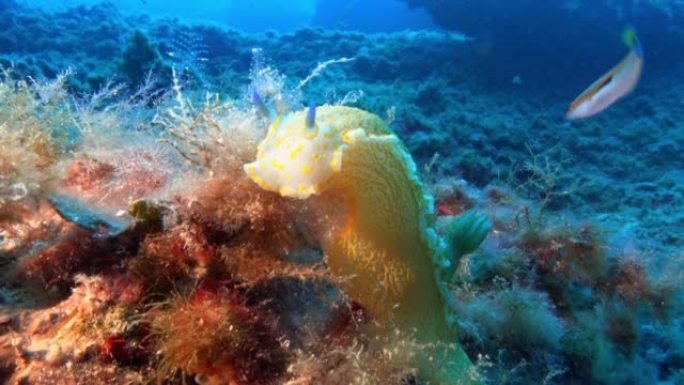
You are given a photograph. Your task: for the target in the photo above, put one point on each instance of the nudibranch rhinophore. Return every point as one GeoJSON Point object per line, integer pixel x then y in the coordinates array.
{"type": "Point", "coordinates": [386, 244]}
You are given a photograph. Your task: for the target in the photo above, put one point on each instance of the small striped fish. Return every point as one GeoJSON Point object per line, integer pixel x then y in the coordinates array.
{"type": "Point", "coordinates": [612, 86]}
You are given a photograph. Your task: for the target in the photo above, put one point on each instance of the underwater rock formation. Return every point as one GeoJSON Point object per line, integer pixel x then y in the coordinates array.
{"type": "Point", "coordinates": [205, 277]}
{"type": "Point", "coordinates": [562, 33]}
{"type": "Point", "coordinates": [139, 58]}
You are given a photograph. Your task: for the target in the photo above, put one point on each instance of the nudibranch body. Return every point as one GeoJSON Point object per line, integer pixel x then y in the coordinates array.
{"type": "Point", "coordinates": [386, 244]}
{"type": "Point", "coordinates": [297, 159]}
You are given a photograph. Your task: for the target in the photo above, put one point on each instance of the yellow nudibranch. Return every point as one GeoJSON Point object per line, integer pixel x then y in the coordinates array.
{"type": "Point", "coordinates": [387, 243]}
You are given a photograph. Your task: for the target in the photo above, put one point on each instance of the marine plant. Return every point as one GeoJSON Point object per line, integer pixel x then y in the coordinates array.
{"type": "Point", "coordinates": [561, 304]}
{"type": "Point", "coordinates": [139, 58]}
{"type": "Point", "coordinates": [35, 124]}
{"type": "Point", "coordinates": [211, 334]}
{"type": "Point", "coordinates": [379, 222]}
{"type": "Point", "coordinates": [538, 303]}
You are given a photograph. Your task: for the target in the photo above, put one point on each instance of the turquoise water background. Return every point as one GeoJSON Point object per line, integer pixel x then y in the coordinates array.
{"type": "Point", "coordinates": [279, 15]}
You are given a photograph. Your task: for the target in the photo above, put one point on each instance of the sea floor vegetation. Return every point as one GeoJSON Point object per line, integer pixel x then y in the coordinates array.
{"type": "Point", "coordinates": [135, 249]}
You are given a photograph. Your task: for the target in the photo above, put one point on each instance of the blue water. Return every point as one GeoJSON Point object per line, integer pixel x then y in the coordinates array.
{"type": "Point", "coordinates": [263, 15]}
{"type": "Point", "coordinates": [580, 282]}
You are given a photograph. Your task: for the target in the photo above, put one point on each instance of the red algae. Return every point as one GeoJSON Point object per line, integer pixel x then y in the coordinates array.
{"type": "Point", "coordinates": [87, 174]}
{"type": "Point", "coordinates": [210, 333]}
